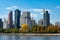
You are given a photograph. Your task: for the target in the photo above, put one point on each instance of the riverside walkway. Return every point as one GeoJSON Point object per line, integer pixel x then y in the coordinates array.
{"type": "Point", "coordinates": [29, 34]}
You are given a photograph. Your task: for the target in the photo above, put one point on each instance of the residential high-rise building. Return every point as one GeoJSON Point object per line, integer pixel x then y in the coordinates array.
{"type": "Point", "coordinates": [10, 20]}
{"type": "Point", "coordinates": [17, 18]}
{"type": "Point", "coordinates": [46, 18]}
{"type": "Point", "coordinates": [1, 23]}
{"type": "Point", "coordinates": [40, 22]}
{"type": "Point", "coordinates": [26, 19]}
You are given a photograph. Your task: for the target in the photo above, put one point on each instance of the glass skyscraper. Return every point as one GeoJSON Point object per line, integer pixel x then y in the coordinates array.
{"type": "Point", "coordinates": [46, 19]}
{"type": "Point", "coordinates": [17, 18]}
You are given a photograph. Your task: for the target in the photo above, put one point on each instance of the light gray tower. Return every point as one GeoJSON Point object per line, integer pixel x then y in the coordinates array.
{"type": "Point", "coordinates": [26, 19]}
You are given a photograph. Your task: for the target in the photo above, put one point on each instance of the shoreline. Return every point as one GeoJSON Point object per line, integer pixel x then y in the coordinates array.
{"type": "Point", "coordinates": [29, 34]}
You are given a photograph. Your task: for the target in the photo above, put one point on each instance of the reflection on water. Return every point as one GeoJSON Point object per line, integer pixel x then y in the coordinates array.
{"type": "Point", "coordinates": [29, 37]}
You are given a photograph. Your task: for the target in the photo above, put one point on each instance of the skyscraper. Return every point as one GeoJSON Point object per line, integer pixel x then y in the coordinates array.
{"type": "Point", "coordinates": [26, 19]}
{"type": "Point", "coordinates": [5, 24]}
{"type": "Point", "coordinates": [33, 22]}
{"type": "Point", "coordinates": [46, 18]}
{"type": "Point", "coordinates": [1, 23]}
{"type": "Point", "coordinates": [17, 18]}
{"type": "Point", "coordinates": [10, 21]}
{"type": "Point", "coordinates": [40, 22]}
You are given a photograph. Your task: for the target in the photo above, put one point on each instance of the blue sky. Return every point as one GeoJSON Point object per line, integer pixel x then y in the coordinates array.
{"type": "Point", "coordinates": [34, 6]}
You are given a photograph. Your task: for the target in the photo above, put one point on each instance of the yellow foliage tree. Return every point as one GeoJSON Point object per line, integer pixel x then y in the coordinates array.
{"type": "Point", "coordinates": [52, 29]}
{"type": "Point", "coordinates": [24, 28]}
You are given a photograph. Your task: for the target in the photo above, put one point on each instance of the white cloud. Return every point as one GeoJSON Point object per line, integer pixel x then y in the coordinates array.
{"type": "Point", "coordinates": [57, 6]}
{"type": "Point", "coordinates": [40, 10]}
{"type": "Point", "coordinates": [26, 10]}
{"type": "Point", "coordinates": [34, 15]}
{"type": "Point", "coordinates": [37, 10]}
{"type": "Point", "coordinates": [12, 7]}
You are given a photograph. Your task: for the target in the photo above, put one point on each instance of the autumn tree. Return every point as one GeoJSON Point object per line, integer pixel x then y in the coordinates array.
{"type": "Point", "coordinates": [25, 28]}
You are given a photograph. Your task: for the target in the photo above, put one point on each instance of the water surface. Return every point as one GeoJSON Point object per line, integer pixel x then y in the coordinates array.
{"type": "Point", "coordinates": [29, 37]}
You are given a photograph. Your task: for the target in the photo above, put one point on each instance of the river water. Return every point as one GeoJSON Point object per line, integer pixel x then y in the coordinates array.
{"type": "Point", "coordinates": [29, 37]}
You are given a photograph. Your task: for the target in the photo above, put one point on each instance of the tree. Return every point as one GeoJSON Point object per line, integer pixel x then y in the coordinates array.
{"type": "Point", "coordinates": [25, 28]}
{"type": "Point", "coordinates": [14, 30]}
{"type": "Point", "coordinates": [6, 31]}
{"type": "Point", "coordinates": [1, 30]}
{"type": "Point", "coordinates": [34, 29]}
{"type": "Point", "coordinates": [52, 29]}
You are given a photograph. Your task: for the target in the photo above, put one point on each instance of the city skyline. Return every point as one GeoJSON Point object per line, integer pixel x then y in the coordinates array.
{"type": "Point", "coordinates": [35, 7]}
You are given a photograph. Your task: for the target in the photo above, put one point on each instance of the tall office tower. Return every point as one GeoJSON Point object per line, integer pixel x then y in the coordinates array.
{"type": "Point", "coordinates": [1, 23]}
{"type": "Point", "coordinates": [33, 22]}
{"type": "Point", "coordinates": [58, 24]}
{"type": "Point", "coordinates": [40, 22]}
{"type": "Point", "coordinates": [17, 18]}
{"type": "Point", "coordinates": [26, 19]}
{"type": "Point", "coordinates": [10, 20]}
{"type": "Point", "coordinates": [46, 18]}
{"type": "Point", "coordinates": [5, 24]}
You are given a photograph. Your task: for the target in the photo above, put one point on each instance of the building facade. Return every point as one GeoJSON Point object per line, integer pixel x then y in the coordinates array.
{"type": "Point", "coordinates": [33, 22]}
{"type": "Point", "coordinates": [26, 19]}
{"type": "Point", "coordinates": [40, 22]}
{"type": "Point", "coordinates": [5, 24]}
{"type": "Point", "coordinates": [17, 18]}
{"type": "Point", "coordinates": [1, 23]}
{"type": "Point", "coordinates": [46, 18]}
{"type": "Point", "coordinates": [10, 20]}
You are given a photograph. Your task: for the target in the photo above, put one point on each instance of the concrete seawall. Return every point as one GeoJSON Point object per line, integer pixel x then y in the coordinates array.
{"type": "Point", "coordinates": [28, 34]}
